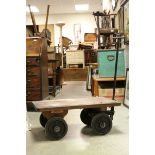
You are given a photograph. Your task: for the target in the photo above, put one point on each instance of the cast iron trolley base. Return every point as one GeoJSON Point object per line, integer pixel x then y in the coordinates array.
{"type": "Point", "coordinates": [95, 114]}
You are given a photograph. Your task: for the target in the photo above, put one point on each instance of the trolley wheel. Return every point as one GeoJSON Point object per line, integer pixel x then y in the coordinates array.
{"type": "Point", "coordinates": [56, 128]}
{"type": "Point", "coordinates": [87, 115]}
{"type": "Point", "coordinates": [101, 123]}
{"type": "Point", "coordinates": [43, 120]}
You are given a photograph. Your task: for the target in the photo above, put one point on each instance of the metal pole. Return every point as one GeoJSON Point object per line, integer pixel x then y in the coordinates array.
{"type": "Point", "coordinates": [61, 24]}
{"type": "Point", "coordinates": [115, 73]}
{"type": "Point", "coordinates": [61, 46]}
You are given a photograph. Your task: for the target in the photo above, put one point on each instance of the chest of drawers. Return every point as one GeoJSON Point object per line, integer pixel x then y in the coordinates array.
{"type": "Point", "coordinates": [36, 70]}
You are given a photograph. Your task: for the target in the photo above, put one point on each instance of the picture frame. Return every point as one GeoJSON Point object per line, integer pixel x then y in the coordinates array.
{"type": "Point", "coordinates": [126, 93]}
{"type": "Point", "coordinates": [125, 6]}
{"type": "Point", "coordinates": [120, 20]}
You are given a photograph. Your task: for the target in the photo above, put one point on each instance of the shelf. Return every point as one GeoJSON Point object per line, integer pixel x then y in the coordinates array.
{"type": "Point", "coordinates": [97, 78]}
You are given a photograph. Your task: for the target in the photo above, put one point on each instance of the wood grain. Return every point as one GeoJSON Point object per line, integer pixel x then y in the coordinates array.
{"type": "Point", "coordinates": [97, 78]}
{"type": "Point", "coordinates": [74, 103]}
{"type": "Point", "coordinates": [36, 69]}
{"type": "Point", "coordinates": [75, 74]}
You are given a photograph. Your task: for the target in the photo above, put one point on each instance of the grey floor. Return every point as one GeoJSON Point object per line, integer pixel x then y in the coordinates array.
{"type": "Point", "coordinates": [79, 139]}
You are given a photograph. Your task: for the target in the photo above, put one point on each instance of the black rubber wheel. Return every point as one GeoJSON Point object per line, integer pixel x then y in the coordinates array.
{"type": "Point", "coordinates": [87, 115]}
{"type": "Point", "coordinates": [56, 128]}
{"type": "Point", "coordinates": [101, 123]}
{"type": "Point", "coordinates": [43, 120]}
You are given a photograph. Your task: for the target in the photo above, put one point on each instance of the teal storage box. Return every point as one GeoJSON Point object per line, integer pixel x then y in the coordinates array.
{"type": "Point", "coordinates": [106, 62]}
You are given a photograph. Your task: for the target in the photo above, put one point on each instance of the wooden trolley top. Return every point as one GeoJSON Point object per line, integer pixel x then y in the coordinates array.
{"type": "Point", "coordinates": [74, 103]}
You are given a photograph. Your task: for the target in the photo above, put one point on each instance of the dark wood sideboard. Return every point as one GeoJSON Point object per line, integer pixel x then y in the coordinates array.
{"type": "Point", "coordinates": [36, 70]}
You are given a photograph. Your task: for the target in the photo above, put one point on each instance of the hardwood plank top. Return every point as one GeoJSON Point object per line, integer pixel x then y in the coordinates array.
{"type": "Point", "coordinates": [33, 54]}
{"type": "Point", "coordinates": [74, 103]}
{"type": "Point", "coordinates": [97, 78]}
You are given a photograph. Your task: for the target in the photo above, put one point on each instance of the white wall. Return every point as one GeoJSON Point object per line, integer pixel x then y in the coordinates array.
{"type": "Point", "coordinates": [87, 22]}
{"type": "Point", "coordinates": [107, 5]}
{"type": "Point", "coordinates": [118, 6]}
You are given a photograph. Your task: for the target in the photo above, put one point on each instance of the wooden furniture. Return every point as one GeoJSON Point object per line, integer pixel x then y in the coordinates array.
{"type": "Point", "coordinates": [106, 61]}
{"type": "Point", "coordinates": [55, 72]}
{"type": "Point", "coordinates": [75, 74]}
{"type": "Point", "coordinates": [95, 113]}
{"type": "Point", "coordinates": [104, 30]}
{"type": "Point", "coordinates": [50, 27]}
{"type": "Point", "coordinates": [55, 79]}
{"type": "Point", "coordinates": [36, 70]}
{"type": "Point", "coordinates": [104, 87]}
{"type": "Point", "coordinates": [90, 37]}
{"type": "Point", "coordinates": [74, 58]}
{"type": "Point", "coordinates": [74, 103]}
{"type": "Point", "coordinates": [90, 56]}
{"type": "Point", "coordinates": [91, 70]}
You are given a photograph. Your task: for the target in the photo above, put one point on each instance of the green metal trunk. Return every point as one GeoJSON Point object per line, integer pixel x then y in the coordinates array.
{"type": "Point", "coordinates": [106, 61]}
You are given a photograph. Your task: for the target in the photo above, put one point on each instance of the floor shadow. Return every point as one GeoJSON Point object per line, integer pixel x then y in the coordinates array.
{"type": "Point", "coordinates": [86, 130]}
{"type": "Point", "coordinates": [38, 134]}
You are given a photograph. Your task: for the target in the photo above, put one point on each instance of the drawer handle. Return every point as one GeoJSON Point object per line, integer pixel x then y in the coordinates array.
{"type": "Point", "coordinates": [28, 70]}
{"type": "Point", "coordinates": [28, 80]}
{"type": "Point", "coordinates": [28, 61]}
{"type": "Point", "coordinates": [110, 57]}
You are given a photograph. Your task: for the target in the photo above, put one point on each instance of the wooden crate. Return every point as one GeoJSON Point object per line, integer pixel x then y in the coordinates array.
{"type": "Point", "coordinates": [75, 74]}
{"type": "Point", "coordinates": [104, 87]}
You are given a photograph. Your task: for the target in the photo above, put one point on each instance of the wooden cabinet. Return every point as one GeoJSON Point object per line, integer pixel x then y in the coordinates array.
{"type": "Point", "coordinates": [55, 77]}
{"type": "Point", "coordinates": [36, 70]}
{"type": "Point", "coordinates": [90, 56]}
{"type": "Point", "coordinates": [104, 87]}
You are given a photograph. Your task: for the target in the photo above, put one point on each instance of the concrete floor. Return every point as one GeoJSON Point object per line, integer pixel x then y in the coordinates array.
{"type": "Point", "coordinates": [79, 139]}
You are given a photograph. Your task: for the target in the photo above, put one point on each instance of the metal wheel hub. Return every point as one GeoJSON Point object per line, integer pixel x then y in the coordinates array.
{"type": "Point", "coordinates": [57, 129]}
{"type": "Point", "coordinates": [102, 125]}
